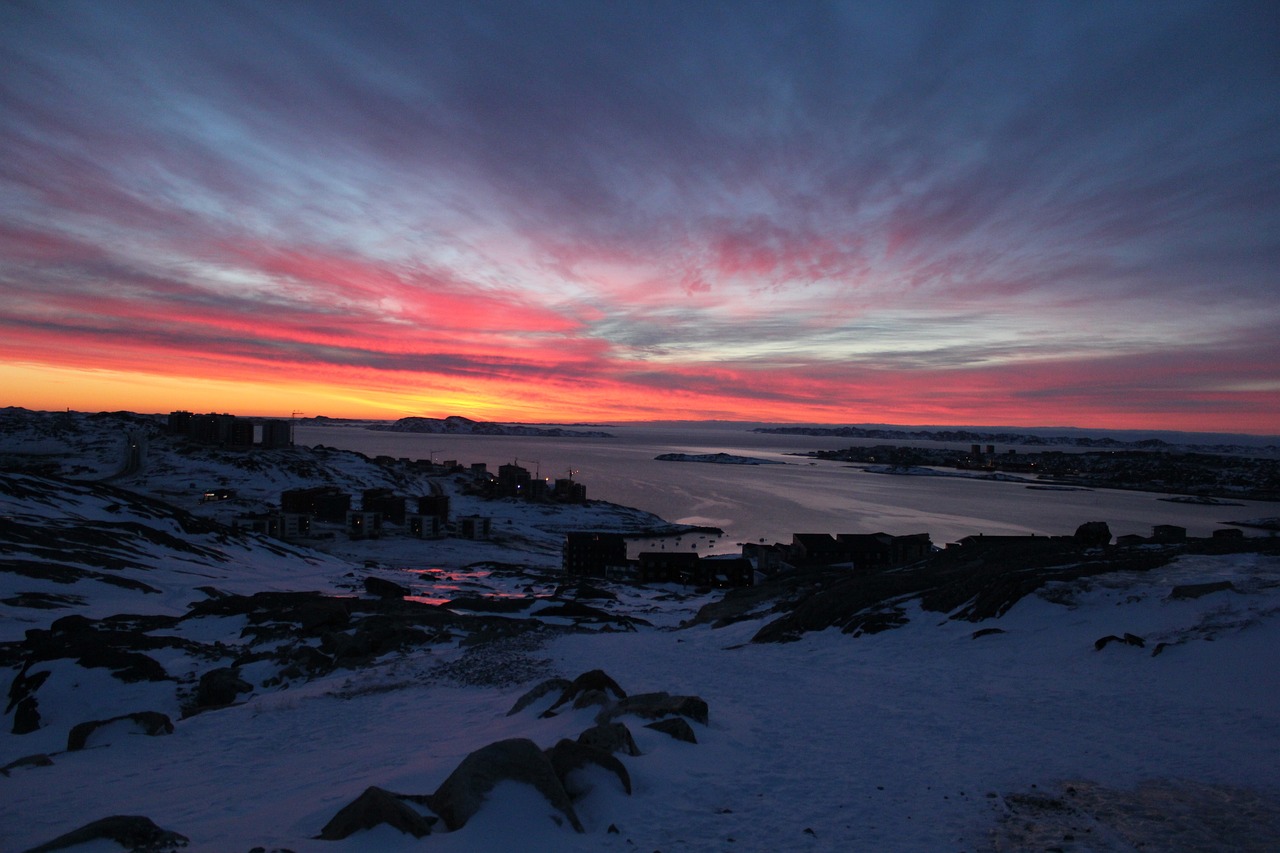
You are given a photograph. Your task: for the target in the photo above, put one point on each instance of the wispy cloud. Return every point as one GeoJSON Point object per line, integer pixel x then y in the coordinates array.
{"type": "Point", "coordinates": [1038, 214]}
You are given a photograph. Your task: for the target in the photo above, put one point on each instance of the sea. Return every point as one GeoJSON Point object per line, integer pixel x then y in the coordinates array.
{"type": "Point", "coordinates": [769, 503]}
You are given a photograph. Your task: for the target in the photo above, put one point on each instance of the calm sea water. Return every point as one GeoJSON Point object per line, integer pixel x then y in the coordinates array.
{"type": "Point", "coordinates": [770, 502]}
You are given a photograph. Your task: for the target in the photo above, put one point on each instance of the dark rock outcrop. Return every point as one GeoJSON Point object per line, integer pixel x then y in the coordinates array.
{"type": "Point", "coordinates": [373, 807]}
{"type": "Point", "coordinates": [150, 722]}
{"type": "Point", "coordinates": [568, 756]}
{"type": "Point", "coordinates": [518, 760]}
{"type": "Point", "coordinates": [653, 706]}
{"type": "Point", "coordinates": [133, 832]}
{"type": "Point", "coordinates": [611, 737]}
{"type": "Point", "coordinates": [37, 760]}
{"type": "Point", "coordinates": [551, 685]}
{"type": "Point", "coordinates": [597, 681]}
{"type": "Point", "coordinates": [1196, 590]}
{"type": "Point", "coordinates": [384, 588]}
{"type": "Point", "coordinates": [220, 687]}
{"type": "Point", "coordinates": [676, 727]}
{"type": "Point", "coordinates": [1093, 534]}
{"type": "Point", "coordinates": [1127, 639]}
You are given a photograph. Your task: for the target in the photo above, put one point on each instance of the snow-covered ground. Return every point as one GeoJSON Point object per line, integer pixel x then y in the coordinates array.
{"type": "Point", "coordinates": [920, 738]}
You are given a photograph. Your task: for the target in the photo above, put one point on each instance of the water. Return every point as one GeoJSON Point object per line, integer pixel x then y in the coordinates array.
{"type": "Point", "coordinates": [771, 502]}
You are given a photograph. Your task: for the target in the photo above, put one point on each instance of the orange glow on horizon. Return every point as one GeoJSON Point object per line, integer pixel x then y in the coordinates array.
{"type": "Point", "coordinates": [53, 388]}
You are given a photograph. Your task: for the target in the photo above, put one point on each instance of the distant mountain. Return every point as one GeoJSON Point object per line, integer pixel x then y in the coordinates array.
{"type": "Point", "coordinates": [458, 425]}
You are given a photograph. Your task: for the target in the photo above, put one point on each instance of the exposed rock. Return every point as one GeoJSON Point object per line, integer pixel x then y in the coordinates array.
{"type": "Point", "coordinates": [567, 756]}
{"type": "Point", "coordinates": [133, 832]}
{"type": "Point", "coordinates": [587, 591]}
{"type": "Point", "coordinates": [26, 717]}
{"type": "Point", "coordinates": [151, 722]}
{"type": "Point", "coordinates": [597, 681]}
{"type": "Point", "coordinates": [1127, 639]}
{"type": "Point", "coordinates": [1196, 590]}
{"type": "Point", "coordinates": [551, 685]}
{"type": "Point", "coordinates": [518, 760]}
{"type": "Point", "coordinates": [1092, 534]}
{"type": "Point", "coordinates": [376, 806]}
{"type": "Point", "coordinates": [676, 727]}
{"type": "Point", "coordinates": [986, 632]}
{"type": "Point", "coordinates": [220, 687]}
{"type": "Point", "coordinates": [37, 760]}
{"type": "Point", "coordinates": [611, 737]}
{"type": "Point", "coordinates": [655, 705]}
{"type": "Point", "coordinates": [384, 588]}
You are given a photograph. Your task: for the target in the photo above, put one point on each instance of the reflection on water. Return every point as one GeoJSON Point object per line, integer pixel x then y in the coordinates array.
{"type": "Point", "coordinates": [771, 502]}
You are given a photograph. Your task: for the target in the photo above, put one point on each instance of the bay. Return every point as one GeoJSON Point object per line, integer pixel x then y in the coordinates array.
{"type": "Point", "coordinates": [768, 503]}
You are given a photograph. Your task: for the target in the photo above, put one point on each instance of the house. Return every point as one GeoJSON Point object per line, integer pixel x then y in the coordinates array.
{"type": "Point", "coordinates": [817, 549]}
{"type": "Point", "coordinates": [590, 554]}
{"type": "Point", "coordinates": [872, 551]}
{"type": "Point", "coordinates": [724, 572]}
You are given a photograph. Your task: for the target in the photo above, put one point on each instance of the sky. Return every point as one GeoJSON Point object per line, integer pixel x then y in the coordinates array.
{"type": "Point", "coordinates": [1032, 213]}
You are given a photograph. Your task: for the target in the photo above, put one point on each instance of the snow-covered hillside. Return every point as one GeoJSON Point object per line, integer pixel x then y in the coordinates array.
{"type": "Point", "coordinates": [239, 692]}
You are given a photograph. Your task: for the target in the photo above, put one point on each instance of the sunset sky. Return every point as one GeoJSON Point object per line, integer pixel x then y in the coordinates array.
{"type": "Point", "coordinates": [1030, 213]}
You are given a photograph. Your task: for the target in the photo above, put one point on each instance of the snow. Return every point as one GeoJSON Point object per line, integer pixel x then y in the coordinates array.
{"type": "Point", "coordinates": [920, 738]}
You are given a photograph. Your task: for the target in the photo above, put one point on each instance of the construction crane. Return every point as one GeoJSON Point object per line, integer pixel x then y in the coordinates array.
{"type": "Point", "coordinates": [295, 414]}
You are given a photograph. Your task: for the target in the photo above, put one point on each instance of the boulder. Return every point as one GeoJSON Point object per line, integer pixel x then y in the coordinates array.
{"type": "Point", "coordinates": [551, 685]}
{"type": "Point", "coordinates": [384, 588]}
{"type": "Point", "coordinates": [1196, 590]}
{"type": "Point", "coordinates": [37, 760]}
{"type": "Point", "coordinates": [568, 756]}
{"type": "Point", "coordinates": [611, 737]}
{"type": "Point", "coordinates": [654, 706]}
{"type": "Point", "coordinates": [517, 760]}
{"type": "Point", "coordinates": [133, 832]}
{"type": "Point", "coordinates": [1128, 639]}
{"type": "Point", "coordinates": [26, 716]}
{"type": "Point", "coordinates": [1092, 534]}
{"type": "Point", "coordinates": [676, 727]}
{"type": "Point", "coordinates": [220, 687]}
{"type": "Point", "coordinates": [150, 722]}
{"type": "Point", "coordinates": [595, 680]}
{"type": "Point", "coordinates": [376, 806]}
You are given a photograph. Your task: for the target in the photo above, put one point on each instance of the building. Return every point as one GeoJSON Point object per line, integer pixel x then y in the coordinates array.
{"type": "Point", "coordinates": [425, 526]}
{"type": "Point", "coordinates": [327, 503]}
{"type": "Point", "coordinates": [725, 572]}
{"type": "Point", "coordinates": [289, 526]}
{"type": "Point", "coordinates": [593, 554]}
{"type": "Point", "coordinates": [668, 567]}
{"type": "Point", "coordinates": [817, 549]}
{"type": "Point", "coordinates": [514, 481]}
{"type": "Point", "coordinates": [570, 492]}
{"type": "Point", "coordinates": [363, 524]}
{"type": "Point", "coordinates": [434, 505]}
{"type": "Point", "coordinates": [872, 551]}
{"type": "Point", "coordinates": [475, 527]}
{"type": "Point", "coordinates": [391, 505]}
{"type": "Point", "coordinates": [277, 434]}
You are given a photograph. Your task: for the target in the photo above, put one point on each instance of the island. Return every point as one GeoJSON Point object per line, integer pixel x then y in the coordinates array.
{"type": "Point", "coordinates": [458, 425]}
{"type": "Point", "coordinates": [716, 459]}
